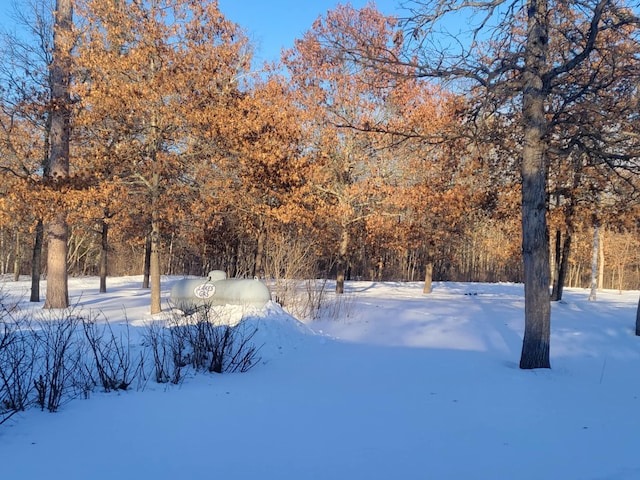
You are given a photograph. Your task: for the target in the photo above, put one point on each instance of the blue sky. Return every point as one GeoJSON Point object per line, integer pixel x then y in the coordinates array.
{"type": "Point", "coordinates": [271, 24]}
{"type": "Point", "coordinates": [274, 24]}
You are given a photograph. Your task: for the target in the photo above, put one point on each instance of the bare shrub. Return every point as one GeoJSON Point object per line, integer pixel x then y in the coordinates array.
{"type": "Point", "coordinates": [17, 349]}
{"type": "Point", "coordinates": [111, 354]}
{"type": "Point", "coordinates": [336, 307]}
{"type": "Point", "coordinates": [154, 340]}
{"type": "Point", "coordinates": [177, 336]}
{"type": "Point", "coordinates": [240, 353]}
{"type": "Point", "coordinates": [16, 360]}
{"type": "Point", "coordinates": [215, 345]}
{"type": "Point", "coordinates": [312, 300]}
{"type": "Point", "coordinates": [168, 344]}
{"type": "Point", "coordinates": [61, 372]}
{"type": "Point", "coordinates": [205, 340]}
{"type": "Point", "coordinates": [291, 259]}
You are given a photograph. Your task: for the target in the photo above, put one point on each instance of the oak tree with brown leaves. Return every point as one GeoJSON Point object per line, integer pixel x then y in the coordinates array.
{"type": "Point", "coordinates": [352, 118]}
{"type": "Point", "coordinates": [521, 54]}
{"type": "Point", "coordinates": [159, 76]}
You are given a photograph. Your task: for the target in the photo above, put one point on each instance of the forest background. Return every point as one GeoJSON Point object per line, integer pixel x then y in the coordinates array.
{"type": "Point", "coordinates": [186, 155]}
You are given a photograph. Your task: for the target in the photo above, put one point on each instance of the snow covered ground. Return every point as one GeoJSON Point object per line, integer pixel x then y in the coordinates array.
{"type": "Point", "coordinates": [402, 386]}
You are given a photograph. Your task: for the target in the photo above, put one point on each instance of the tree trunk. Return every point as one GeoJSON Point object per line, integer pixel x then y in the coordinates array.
{"type": "Point", "coordinates": [258, 263]}
{"type": "Point", "coordinates": [341, 264]}
{"type": "Point", "coordinates": [233, 261]}
{"type": "Point", "coordinates": [36, 262]}
{"type": "Point", "coordinates": [169, 270]}
{"type": "Point", "coordinates": [2, 250]}
{"type": "Point", "coordinates": [146, 268]}
{"type": "Point", "coordinates": [556, 264]}
{"type": "Point", "coordinates": [561, 269]}
{"type": "Point", "coordinates": [57, 228]}
{"type": "Point", "coordinates": [594, 264]}
{"type": "Point", "coordinates": [601, 261]}
{"type": "Point", "coordinates": [16, 258]}
{"type": "Point", "coordinates": [104, 251]}
{"type": "Point", "coordinates": [379, 268]}
{"type": "Point", "coordinates": [638, 319]}
{"type": "Point", "coordinates": [535, 236]}
{"type": "Point", "coordinates": [57, 290]}
{"type": "Point", "coordinates": [428, 277]}
{"type": "Point", "coordinates": [154, 266]}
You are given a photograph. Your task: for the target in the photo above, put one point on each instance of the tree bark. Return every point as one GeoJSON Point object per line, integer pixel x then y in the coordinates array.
{"type": "Point", "coordinates": [258, 263]}
{"type": "Point", "coordinates": [36, 262]}
{"type": "Point", "coordinates": [601, 261]}
{"type": "Point", "coordinates": [104, 252]}
{"type": "Point", "coordinates": [57, 228]}
{"type": "Point", "coordinates": [233, 261]}
{"type": "Point", "coordinates": [57, 290]}
{"type": "Point", "coordinates": [562, 266]}
{"type": "Point", "coordinates": [535, 236]}
{"type": "Point", "coordinates": [146, 268]}
{"type": "Point", "coordinates": [341, 264]}
{"type": "Point", "coordinates": [16, 258]}
{"type": "Point", "coordinates": [154, 266]}
{"type": "Point", "coordinates": [638, 319]}
{"type": "Point", "coordinates": [428, 277]}
{"type": "Point", "coordinates": [556, 264]}
{"type": "Point", "coordinates": [594, 264]}
{"type": "Point", "coordinates": [379, 268]}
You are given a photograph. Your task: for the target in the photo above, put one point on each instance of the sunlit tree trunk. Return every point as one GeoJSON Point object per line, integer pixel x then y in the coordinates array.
{"type": "Point", "coordinates": [535, 236]}
{"type": "Point", "coordinates": [428, 277]}
{"type": "Point", "coordinates": [154, 268]}
{"type": "Point", "coordinates": [57, 290]}
{"type": "Point", "coordinates": [57, 228]}
{"type": "Point", "coordinates": [154, 259]}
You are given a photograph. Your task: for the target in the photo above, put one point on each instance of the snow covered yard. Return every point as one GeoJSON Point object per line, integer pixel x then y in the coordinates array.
{"type": "Point", "coordinates": [403, 385]}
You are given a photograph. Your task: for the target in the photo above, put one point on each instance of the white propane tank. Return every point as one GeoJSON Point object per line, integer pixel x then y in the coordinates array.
{"type": "Point", "coordinates": [190, 294]}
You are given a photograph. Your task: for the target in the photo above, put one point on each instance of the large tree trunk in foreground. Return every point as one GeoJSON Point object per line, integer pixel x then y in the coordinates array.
{"type": "Point", "coordinates": [535, 236]}
{"type": "Point", "coordinates": [57, 290]}
{"type": "Point", "coordinates": [57, 228]}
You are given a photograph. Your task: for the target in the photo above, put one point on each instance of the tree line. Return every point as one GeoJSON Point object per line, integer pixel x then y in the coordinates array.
{"type": "Point", "coordinates": [139, 137]}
